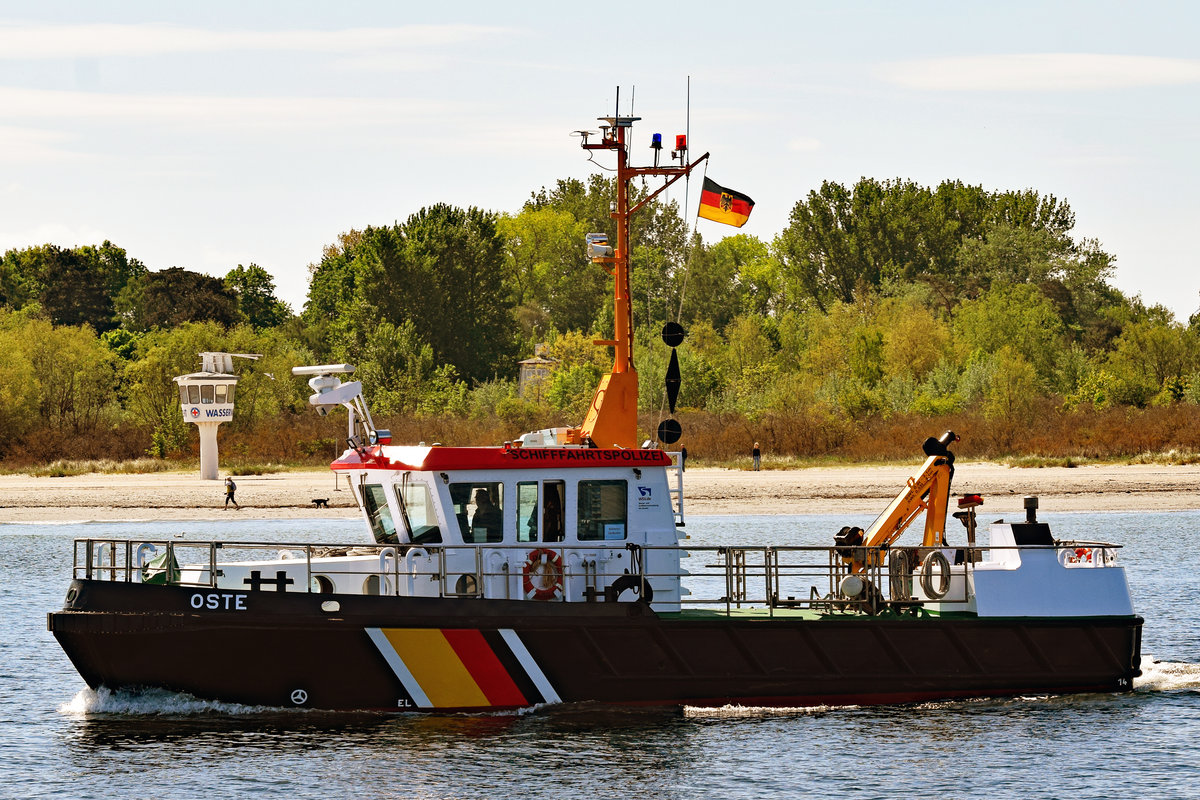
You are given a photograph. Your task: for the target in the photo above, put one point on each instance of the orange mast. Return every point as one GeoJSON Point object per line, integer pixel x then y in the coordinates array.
{"type": "Point", "coordinates": [611, 420]}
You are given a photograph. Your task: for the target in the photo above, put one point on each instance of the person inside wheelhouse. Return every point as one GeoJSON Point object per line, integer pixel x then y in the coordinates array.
{"type": "Point", "coordinates": [486, 520]}
{"type": "Point", "coordinates": [549, 511]}
{"type": "Point", "coordinates": [478, 507]}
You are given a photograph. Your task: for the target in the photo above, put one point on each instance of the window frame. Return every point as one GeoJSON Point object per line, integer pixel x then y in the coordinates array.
{"type": "Point", "coordinates": [584, 522]}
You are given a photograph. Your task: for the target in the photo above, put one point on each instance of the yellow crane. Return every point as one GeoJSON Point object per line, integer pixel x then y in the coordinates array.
{"type": "Point", "coordinates": [928, 491]}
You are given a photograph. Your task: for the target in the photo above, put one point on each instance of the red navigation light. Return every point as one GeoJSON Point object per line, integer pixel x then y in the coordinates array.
{"type": "Point", "coordinates": [970, 500]}
{"type": "Point", "coordinates": [681, 142]}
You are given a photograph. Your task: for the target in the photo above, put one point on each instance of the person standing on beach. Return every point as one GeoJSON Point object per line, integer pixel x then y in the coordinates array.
{"type": "Point", "coordinates": [757, 457]}
{"type": "Point", "coordinates": [230, 488]}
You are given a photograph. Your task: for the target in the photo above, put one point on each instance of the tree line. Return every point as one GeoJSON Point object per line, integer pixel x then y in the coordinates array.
{"type": "Point", "coordinates": [878, 300]}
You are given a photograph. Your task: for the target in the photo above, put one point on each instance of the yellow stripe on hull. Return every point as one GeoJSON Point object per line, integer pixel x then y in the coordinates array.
{"type": "Point", "coordinates": [436, 667]}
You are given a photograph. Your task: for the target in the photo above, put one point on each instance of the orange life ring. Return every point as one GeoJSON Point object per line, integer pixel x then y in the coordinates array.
{"type": "Point", "coordinates": [1081, 555]}
{"type": "Point", "coordinates": [542, 575]}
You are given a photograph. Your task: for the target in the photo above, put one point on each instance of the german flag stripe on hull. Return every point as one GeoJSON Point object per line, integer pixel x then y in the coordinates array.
{"type": "Point", "coordinates": [463, 667]}
{"type": "Point", "coordinates": [724, 205]}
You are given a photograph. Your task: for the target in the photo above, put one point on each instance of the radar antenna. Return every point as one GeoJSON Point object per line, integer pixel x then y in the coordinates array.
{"type": "Point", "coordinates": [330, 392]}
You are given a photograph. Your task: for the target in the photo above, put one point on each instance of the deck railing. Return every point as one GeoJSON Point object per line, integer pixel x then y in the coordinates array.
{"type": "Point", "coordinates": [720, 578]}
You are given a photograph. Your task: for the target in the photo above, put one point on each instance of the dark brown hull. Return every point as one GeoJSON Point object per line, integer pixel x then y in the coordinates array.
{"type": "Point", "coordinates": [281, 649]}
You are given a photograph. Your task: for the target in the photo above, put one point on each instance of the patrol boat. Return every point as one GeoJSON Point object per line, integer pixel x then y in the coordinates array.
{"type": "Point", "coordinates": [551, 570]}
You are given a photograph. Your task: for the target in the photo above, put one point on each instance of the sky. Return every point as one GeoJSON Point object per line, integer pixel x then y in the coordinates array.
{"type": "Point", "coordinates": [207, 135]}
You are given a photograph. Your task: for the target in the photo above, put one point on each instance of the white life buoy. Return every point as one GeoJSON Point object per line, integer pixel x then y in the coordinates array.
{"type": "Point", "coordinates": [542, 575]}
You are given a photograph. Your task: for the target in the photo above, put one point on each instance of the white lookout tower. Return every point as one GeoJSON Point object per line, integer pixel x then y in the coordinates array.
{"type": "Point", "coordinates": [207, 400]}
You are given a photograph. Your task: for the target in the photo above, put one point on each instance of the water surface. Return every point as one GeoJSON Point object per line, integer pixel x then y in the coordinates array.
{"type": "Point", "coordinates": [58, 739]}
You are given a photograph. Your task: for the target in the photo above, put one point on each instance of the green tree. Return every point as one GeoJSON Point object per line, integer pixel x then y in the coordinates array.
{"type": "Point", "coordinates": [172, 297]}
{"type": "Point", "coordinates": [737, 275]}
{"type": "Point", "coordinates": [76, 372]}
{"type": "Point", "coordinates": [20, 391]}
{"type": "Point", "coordinates": [1017, 316]}
{"type": "Point", "coordinates": [76, 286]}
{"type": "Point", "coordinates": [659, 242]}
{"type": "Point", "coordinates": [1149, 356]}
{"type": "Point", "coordinates": [1010, 395]}
{"type": "Point", "coordinates": [443, 269]}
{"type": "Point", "coordinates": [152, 395]}
{"type": "Point", "coordinates": [256, 300]}
{"type": "Point", "coordinates": [841, 242]}
{"type": "Point", "coordinates": [398, 369]}
{"type": "Point", "coordinates": [552, 282]}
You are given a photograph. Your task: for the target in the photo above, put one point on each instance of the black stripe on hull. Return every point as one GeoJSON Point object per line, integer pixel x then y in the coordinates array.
{"type": "Point", "coordinates": [513, 666]}
{"type": "Point", "coordinates": [128, 635]}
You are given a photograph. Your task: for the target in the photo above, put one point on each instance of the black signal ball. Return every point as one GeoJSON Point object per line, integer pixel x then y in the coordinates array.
{"type": "Point", "coordinates": [669, 431]}
{"type": "Point", "coordinates": [673, 381]}
{"type": "Point", "coordinates": [672, 334]}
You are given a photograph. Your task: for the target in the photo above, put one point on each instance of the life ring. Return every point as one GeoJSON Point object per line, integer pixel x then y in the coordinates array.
{"type": "Point", "coordinates": [1076, 555]}
{"type": "Point", "coordinates": [899, 576]}
{"type": "Point", "coordinates": [935, 557]}
{"type": "Point", "coordinates": [542, 575]}
{"type": "Point", "coordinates": [635, 583]}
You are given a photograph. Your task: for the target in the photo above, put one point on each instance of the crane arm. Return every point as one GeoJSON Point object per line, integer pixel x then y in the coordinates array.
{"type": "Point", "coordinates": [928, 491]}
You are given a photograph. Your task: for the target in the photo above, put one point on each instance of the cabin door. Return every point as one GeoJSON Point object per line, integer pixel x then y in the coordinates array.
{"type": "Point", "coordinates": [538, 573]}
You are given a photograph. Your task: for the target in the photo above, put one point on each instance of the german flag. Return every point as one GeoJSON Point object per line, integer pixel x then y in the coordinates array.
{"type": "Point", "coordinates": [724, 205]}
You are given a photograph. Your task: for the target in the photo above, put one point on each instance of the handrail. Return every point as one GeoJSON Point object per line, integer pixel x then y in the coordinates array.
{"type": "Point", "coordinates": [675, 484]}
{"type": "Point", "coordinates": [774, 578]}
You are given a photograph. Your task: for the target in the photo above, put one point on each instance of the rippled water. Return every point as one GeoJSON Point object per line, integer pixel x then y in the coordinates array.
{"type": "Point", "coordinates": [57, 739]}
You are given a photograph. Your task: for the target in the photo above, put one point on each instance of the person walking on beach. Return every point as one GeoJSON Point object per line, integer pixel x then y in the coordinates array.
{"type": "Point", "coordinates": [230, 488]}
{"type": "Point", "coordinates": [757, 457]}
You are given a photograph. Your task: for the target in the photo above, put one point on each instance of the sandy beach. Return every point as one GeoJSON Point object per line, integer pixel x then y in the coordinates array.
{"type": "Point", "coordinates": [851, 490]}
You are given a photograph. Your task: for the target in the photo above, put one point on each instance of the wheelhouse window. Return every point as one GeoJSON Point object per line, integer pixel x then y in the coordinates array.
{"type": "Point", "coordinates": [553, 523]}
{"type": "Point", "coordinates": [417, 503]}
{"type": "Point", "coordinates": [206, 393]}
{"type": "Point", "coordinates": [222, 390]}
{"type": "Point", "coordinates": [527, 512]}
{"type": "Point", "coordinates": [540, 521]}
{"type": "Point", "coordinates": [603, 510]}
{"type": "Point", "coordinates": [479, 508]}
{"type": "Point", "coordinates": [193, 395]}
{"type": "Point", "coordinates": [383, 527]}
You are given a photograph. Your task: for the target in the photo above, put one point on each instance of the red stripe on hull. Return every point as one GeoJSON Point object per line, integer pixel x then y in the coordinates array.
{"type": "Point", "coordinates": [477, 656]}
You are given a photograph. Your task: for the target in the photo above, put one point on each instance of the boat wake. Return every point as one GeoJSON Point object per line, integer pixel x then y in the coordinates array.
{"type": "Point", "coordinates": [1167, 676]}
{"type": "Point", "coordinates": [153, 702]}
{"type": "Point", "coordinates": [738, 712]}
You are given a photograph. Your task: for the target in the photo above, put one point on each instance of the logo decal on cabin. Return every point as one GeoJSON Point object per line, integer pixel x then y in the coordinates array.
{"type": "Point", "coordinates": [195, 412]}
{"type": "Point", "coordinates": [644, 491]}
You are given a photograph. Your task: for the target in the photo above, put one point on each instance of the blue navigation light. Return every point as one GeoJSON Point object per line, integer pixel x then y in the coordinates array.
{"type": "Point", "coordinates": [656, 141]}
